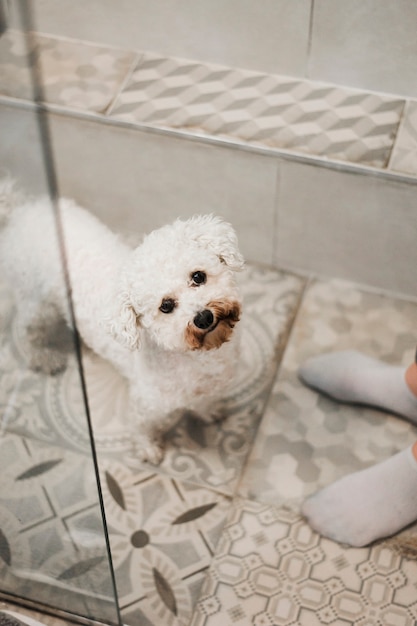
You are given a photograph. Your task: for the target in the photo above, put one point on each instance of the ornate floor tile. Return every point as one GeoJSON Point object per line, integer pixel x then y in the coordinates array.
{"type": "Point", "coordinates": [306, 440]}
{"type": "Point", "coordinates": [404, 156]}
{"type": "Point", "coordinates": [51, 408]}
{"type": "Point", "coordinates": [277, 111]}
{"type": "Point", "coordinates": [272, 570]}
{"type": "Point", "coordinates": [75, 74]}
{"type": "Point", "coordinates": [163, 535]}
{"type": "Point", "coordinates": [51, 529]}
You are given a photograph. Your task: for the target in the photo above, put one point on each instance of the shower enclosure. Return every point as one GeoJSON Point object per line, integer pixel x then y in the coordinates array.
{"type": "Point", "coordinates": [54, 546]}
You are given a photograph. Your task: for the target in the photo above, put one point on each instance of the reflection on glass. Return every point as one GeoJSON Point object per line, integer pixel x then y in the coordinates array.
{"type": "Point", "coordinates": [53, 542]}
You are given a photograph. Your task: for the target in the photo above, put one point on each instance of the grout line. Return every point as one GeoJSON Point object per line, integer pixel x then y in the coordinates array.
{"type": "Point", "coordinates": [124, 82]}
{"type": "Point", "coordinates": [72, 40]}
{"type": "Point", "coordinates": [401, 122]}
{"type": "Point", "coordinates": [277, 358]}
{"type": "Point", "coordinates": [321, 276]}
{"type": "Point", "coordinates": [310, 40]}
{"type": "Point", "coordinates": [285, 339]}
{"type": "Point", "coordinates": [202, 570]}
{"type": "Point", "coordinates": [275, 220]}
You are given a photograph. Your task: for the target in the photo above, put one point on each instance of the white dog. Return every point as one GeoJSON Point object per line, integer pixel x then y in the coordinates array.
{"type": "Point", "coordinates": [163, 314]}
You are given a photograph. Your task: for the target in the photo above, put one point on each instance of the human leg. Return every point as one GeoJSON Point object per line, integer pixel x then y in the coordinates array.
{"type": "Point", "coordinates": [381, 500]}
{"type": "Point", "coordinates": [352, 377]}
{"type": "Point", "coordinates": [367, 505]}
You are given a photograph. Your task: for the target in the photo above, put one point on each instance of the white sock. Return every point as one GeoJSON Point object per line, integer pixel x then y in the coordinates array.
{"type": "Point", "coordinates": [367, 505]}
{"type": "Point", "coordinates": [353, 377]}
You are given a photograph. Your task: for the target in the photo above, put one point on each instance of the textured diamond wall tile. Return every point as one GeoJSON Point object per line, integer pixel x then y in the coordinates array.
{"type": "Point", "coordinates": [75, 74]}
{"type": "Point", "coordinates": [404, 157]}
{"type": "Point", "coordinates": [277, 111]}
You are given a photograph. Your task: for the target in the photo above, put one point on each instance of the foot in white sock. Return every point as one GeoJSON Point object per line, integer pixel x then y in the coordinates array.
{"type": "Point", "coordinates": [367, 505]}
{"type": "Point", "coordinates": [353, 377]}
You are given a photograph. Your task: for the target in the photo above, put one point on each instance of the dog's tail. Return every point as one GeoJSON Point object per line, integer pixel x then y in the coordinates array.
{"type": "Point", "coordinates": [9, 198]}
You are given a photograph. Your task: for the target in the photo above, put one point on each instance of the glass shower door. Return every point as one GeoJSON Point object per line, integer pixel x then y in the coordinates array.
{"type": "Point", "coordinates": [54, 547]}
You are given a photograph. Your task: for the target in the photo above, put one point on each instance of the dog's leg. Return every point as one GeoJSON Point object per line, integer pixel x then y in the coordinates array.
{"type": "Point", "coordinates": [146, 437]}
{"type": "Point", "coordinates": [210, 413]}
{"type": "Point", "coordinates": [353, 377]}
{"type": "Point", "coordinates": [147, 449]}
{"type": "Point", "coordinates": [149, 424]}
{"type": "Point", "coordinates": [47, 336]}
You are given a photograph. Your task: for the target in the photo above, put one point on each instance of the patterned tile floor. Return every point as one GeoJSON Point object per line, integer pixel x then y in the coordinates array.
{"type": "Point", "coordinates": [271, 111]}
{"type": "Point", "coordinates": [213, 536]}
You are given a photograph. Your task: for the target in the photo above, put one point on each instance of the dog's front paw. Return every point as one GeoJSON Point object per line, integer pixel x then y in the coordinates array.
{"type": "Point", "coordinates": [213, 415]}
{"type": "Point", "coordinates": [49, 362]}
{"type": "Point", "coordinates": [148, 451]}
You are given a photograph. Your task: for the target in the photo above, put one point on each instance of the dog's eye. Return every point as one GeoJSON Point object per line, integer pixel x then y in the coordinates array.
{"type": "Point", "coordinates": [198, 278]}
{"type": "Point", "coordinates": [167, 305]}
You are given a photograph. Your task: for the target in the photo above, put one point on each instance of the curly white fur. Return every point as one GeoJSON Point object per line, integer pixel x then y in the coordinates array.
{"type": "Point", "coordinates": [122, 298]}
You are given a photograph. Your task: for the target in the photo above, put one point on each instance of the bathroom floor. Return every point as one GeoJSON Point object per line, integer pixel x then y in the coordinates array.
{"type": "Point", "coordinates": [213, 536]}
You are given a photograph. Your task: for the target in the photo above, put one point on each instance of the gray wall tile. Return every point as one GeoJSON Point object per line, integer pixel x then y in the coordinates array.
{"type": "Point", "coordinates": [20, 148]}
{"type": "Point", "coordinates": [137, 181]}
{"type": "Point", "coordinates": [270, 36]}
{"type": "Point", "coordinates": [366, 43]}
{"type": "Point", "coordinates": [336, 223]}
{"type": "Point", "coordinates": [354, 226]}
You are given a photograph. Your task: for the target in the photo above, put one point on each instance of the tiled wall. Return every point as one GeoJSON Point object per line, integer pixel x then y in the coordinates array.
{"type": "Point", "coordinates": [330, 221]}
{"type": "Point", "coordinates": [367, 44]}
{"type": "Point", "coordinates": [315, 177]}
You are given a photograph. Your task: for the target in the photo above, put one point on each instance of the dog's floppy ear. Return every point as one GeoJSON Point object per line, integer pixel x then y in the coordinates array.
{"type": "Point", "coordinates": [216, 235]}
{"type": "Point", "coordinates": [125, 327]}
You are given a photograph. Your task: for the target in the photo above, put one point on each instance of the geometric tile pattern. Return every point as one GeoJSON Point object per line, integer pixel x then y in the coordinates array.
{"type": "Point", "coordinates": [150, 515]}
{"type": "Point", "coordinates": [163, 536]}
{"type": "Point", "coordinates": [75, 75]}
{"type": "Point", "coordinates": [266, 110]}
{"type": "Point", "coordinates": [270, 569]}
{"type": "Point", "coordinates": [185, 548]}
{"type": "Point", "coordinates": [278, 111]}
{"type": "Point", "coordinates": [404, 156]}
{"type": "Point", "coordinates": [306, 440]}
{"type": "Point", "coordinates": [52, 547]}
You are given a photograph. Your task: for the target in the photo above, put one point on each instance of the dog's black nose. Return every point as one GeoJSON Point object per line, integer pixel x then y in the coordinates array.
{"type": "Point", "coordinates": [204, 319]}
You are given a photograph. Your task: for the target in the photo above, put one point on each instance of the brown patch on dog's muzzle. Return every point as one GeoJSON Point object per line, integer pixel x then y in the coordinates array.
{"type": "Point", "coordinates": [213, 326]}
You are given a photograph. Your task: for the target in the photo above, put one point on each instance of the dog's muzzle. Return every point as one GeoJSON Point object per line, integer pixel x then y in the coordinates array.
{"type": "Point", "coordinates": [212, 326]}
